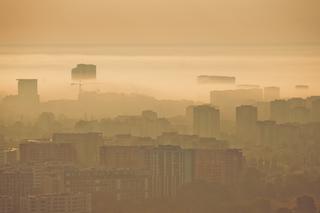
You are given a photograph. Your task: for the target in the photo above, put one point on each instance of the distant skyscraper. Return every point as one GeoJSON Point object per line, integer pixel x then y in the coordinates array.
{"type": "Point", "coordinates": [266, 132]}
{"type": "Point", "coordinates": [315, 110]}
{"type": "Point", "coordinates": [271, 93]}
{"type": "Point", "coordinates": [228, 100]}
{"type": "Point", "coordinates": [246, 119]}
{"type": "Point", "coordinates": [298, 111]}
{"type": "Point", "coordinates": [263, 110]}
{"type": "Point", "coordinates": [28, 90]}
{"type": "Point", "coordinates": [206, 121]}
{"type": "Point", "coordinates": [279, 110]}
{"type": "Point", "coordinates": [86, 145]}
{"type": "Point", "coordinates": [189, 114]}
{"type": "Point", "coordinates": [299, 115]}
{"type": "Point", "coordinates": [84, 72]}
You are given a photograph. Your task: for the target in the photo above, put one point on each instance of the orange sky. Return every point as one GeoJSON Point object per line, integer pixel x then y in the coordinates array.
{"type": "Point", "coordinates": [159, 21]}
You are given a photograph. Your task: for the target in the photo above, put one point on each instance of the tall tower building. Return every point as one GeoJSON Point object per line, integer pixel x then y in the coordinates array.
{"type": "Point", "coordinates": [28, 91]}
{"type": "Point", "coordinates": [86, 144]}
{"type": "Point", "coordinates": [266, 132]}
{"type": "Point", "coordinates": [279, 111]}
{"type": "Point", "coordinates": [315, 110]}
{"type": "Point", "coordinates": [246, 119]}
{"type": "Point", "coordinates": [168, 170]}
{"type": "Point", "coordinates": [206, 121]}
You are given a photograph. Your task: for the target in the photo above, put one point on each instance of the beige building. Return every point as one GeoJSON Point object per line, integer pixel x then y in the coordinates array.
{"type": "Point", "coordinates": [57, 203]}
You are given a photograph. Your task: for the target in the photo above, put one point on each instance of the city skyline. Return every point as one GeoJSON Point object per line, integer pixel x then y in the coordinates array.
{"type": "Point", "coordinates": [159, 106]}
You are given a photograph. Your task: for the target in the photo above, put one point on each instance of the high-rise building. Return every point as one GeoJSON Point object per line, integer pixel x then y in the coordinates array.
{"type": "Point", "coordinates": [296, 102]}
{"type": "Point", "coordinates": [271, 93]}
{"type": "Point", "coordinates": [266, 132]}
{"type": "Point", "coordinates": [57, 203]}
{"type": "Point", "coordinates": [206, 121]}
{"type": "Point", "coordinates": [28, 91]}
{"type": "Point", "coordinates": [311, 99]}
{"type": "Point", "coordinates": [246, 119]}
{"type": "Point", "coordinates": [146, 125]}
{"type": "Point", "coordinates": [6, 204]}
{"type": "Point", "coordinates": [16, 183]}
{"type": "Point", "coordinates": [315, 110]}
{"type": "Point", "coordinates": [279, 111]}
{"type": "Point", "coordinates": [218, 166]}
{"type": "Point", "coordinates": [84, 72]}
{"type": "Point", "coordinates": [189, 114]}
{"type": "Point", "coordinates": [171, 167]}
{"type": "Point", "coordinates": [86, 144]}
{"type": "Point", "coordinates": [48, 177]}
{"type": "Point", "coordinates": [47, 151]}
{"type": "Point", "coordinates": [125, 157]}
{"type": "Point", "coordinates": [263, 110]}
{"type": "Point", "coordinates": [11, 156]}
{"type": "Point", "coordinates": [299, 115]}
{"type": "Point", "coordinates": [168, 167]}
{"type": "Point", "coordinates": [228, 100]}
{"type": "Point", "coordinates": [190, 141]}
{"type": "Point", "coordinates": [2, 149]}
{"type": "Point", "coordinates": [119, 184]}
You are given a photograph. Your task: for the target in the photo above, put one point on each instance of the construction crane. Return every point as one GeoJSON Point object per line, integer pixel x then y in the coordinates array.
{"type": "Point", "coordinates": [83, 72]}
{"type": "Point", "coordinates": [79, 84]}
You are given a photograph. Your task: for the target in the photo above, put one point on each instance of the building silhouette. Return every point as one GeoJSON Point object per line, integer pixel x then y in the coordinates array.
{"type": "Point", "coordinates": [28, 91]}
{"type": "Point", "coordinates": [86, 145]}
{"type": "Point", "coordinates": [206, 121]}
{"type": "Point", "coordinates": [279, 111]}
{"type": "Point", "coordinates": [65, 202]}
{"type": "Point", "coordinates": [246, 119]}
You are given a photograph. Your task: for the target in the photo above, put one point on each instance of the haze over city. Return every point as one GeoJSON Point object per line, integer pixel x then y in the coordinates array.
{"type": "Point", "coordinates": [149, 106]}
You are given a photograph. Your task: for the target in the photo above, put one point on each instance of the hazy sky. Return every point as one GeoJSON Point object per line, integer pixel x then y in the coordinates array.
{"type": "Point", "coordinates": [236, 23]}
{"type": "Point", "coordinates": [159, 21]}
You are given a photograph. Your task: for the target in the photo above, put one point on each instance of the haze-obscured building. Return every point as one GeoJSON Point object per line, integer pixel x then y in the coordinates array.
{"type": "Point", "coordinates": [37, 151]}
{"type": "Point", "coordinates": [206, 121]}
{"type": "Point", "coordinates": [28, 91]}
{"type": "Point", "coordinates": [279, 111]}
{"type": "Point", "coordinates": [246, 120]}
{"type": "Point", "coordinates": [228, 100]}
{"type": "Point", "coordinates": [6, 204]}
{"type": "Point", "coordinates": [84, 72]}
{"type": "Point", "coordinates": [218, 166]}
{"type": "Point", "coordinates": [57, 203]}
{"type": "Point", "coordinates": [86, 145]}
{"type": "Point", "coordinates": [118, 184]}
